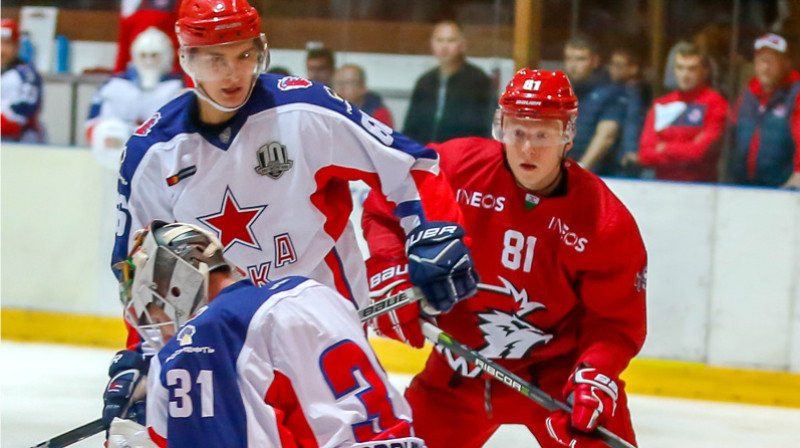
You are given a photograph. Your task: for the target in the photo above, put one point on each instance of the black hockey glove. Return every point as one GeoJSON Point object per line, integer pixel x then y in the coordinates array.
{"type": "Point", "coordinates": [127, 369]}
{"type": "Point", "coordinates": [441, 265]}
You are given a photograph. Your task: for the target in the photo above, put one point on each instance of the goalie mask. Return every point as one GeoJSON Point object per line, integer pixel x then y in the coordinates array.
{"type": "Point", "coordinates": [206, 30]}
{"type": "Point", "coordinates": [152, 55]}
{"type": "Point", "coordinates": [538, 95]}
{"type": "Point", "coordinates": [164, 280]}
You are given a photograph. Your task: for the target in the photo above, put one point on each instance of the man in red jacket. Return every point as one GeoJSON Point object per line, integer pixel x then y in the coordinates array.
{"type": "Point", "coordinates": [683, 131]}
{"type": "Point", "coordinates": [561, 301]}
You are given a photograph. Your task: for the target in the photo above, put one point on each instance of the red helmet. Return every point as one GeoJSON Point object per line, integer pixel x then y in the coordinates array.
{"type": "Point", "coordinates": [539, 94]}
{"type": "Point", "coordinates": [212, 22]}
{"type": "Point", "coordinates": [10, 30]}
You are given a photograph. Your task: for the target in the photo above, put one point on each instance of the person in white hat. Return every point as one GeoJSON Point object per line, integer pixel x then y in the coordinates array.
{"type": "Point", "coordinates": [767, 147]}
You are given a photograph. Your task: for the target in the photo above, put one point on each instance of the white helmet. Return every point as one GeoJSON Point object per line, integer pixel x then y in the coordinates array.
{"type": "Point", "coordinates": [168, 267]}
{"type": "Point", "coordinates": [152, 53]}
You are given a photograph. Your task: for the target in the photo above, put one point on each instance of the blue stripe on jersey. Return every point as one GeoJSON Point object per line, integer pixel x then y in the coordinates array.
{"type": "Point", "coordinates": [31, 91]}
{"type": "Point", "coordinates": [350, 296]}
{"type": "Point", "coordinates": [409, 208]}
{"type": "Point", "coordinates": [207, 348]}
{"type": "Point", "coordinates": [323, 96]}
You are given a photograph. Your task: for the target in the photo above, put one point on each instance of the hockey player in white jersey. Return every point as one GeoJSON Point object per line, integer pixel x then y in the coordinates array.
{"type": "Point", "coordinates": [263, 161]}
{"type": "Point", "coordinates": [21, 95]}
{"type": "Point", "coordinates": [127, 100]}
{"type": "Point", "coordinates": [282, 365]}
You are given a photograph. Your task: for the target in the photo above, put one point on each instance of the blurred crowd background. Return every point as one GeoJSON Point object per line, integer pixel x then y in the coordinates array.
{"type": "Point", "coordinates": [669, 89]}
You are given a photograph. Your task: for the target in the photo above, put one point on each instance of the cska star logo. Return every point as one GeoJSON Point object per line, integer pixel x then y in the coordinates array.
{"type": "Point", "coordinates": [147, 126]}
{"type": "Point", "coordinates": [293, 83]}
{"type": "Point", "coordinates": [232, 223]}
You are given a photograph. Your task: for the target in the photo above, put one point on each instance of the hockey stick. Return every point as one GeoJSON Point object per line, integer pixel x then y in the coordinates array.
{"type": "Point", "coordinates": [390, 303]}
{"type": "Point", "coordinates": [93, 427]}
{"type": "Point", "coordinates": [437, 336]}
{"type": "Point", "coordinates": [75, 435]}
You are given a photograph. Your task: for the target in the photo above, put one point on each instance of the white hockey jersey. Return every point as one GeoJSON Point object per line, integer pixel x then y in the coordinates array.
{"type": "Point", "coordinates": [121, 98]}
{"type": "Point", "coordinates": [284, 365]}
{"type": "Point", "coordinates": [272, 182]}
{"type": "Point", "coordinates": [20, 101]}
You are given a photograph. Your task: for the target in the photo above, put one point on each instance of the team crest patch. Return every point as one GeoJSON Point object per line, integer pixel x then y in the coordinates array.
{"type": "Point", "coordinates": [273, 160]}
{"type": "Point", "coordinates": [293, 82]}
{"type": "Point", "coordinates": [148, 125]}
{"type": "Point", "coordinates": [185, 335]}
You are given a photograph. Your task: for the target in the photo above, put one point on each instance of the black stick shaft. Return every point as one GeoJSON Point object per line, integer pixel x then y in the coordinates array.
{"type": "Point", "coordinates": [500, 373]}
{"type": "Point", "coordinates": [74, 436]}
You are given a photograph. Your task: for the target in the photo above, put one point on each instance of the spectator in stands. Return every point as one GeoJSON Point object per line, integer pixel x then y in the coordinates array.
{"type": "Point", "coordinates": [350, 82]}
{"type": "Point", "coordinates": [320, 64]}
{"type": "Point", "coordinates": [767, 149]}
{"type": "Point", "coordinates": [454, 99]}
{"type": "Point", "coordinates": [139, 15]}
{"type": "Point", "coordinates": [21, 95]}
{"type": "Point", "coordinates": [683, 131]}
{"type": "Point", "coordinates": [127, 100]}
{"type": "Point", "coordinates": [601, 106]}
{"type": "Point", "coordinates": [625, 70]}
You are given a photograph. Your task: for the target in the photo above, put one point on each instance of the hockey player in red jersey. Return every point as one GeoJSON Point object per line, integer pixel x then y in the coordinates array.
{"type": "Point", "coordinates": [563, 270]}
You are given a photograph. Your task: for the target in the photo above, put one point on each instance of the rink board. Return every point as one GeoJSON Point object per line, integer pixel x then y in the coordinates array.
{"type": "Point", "coordinates": [723, 272]}
{"type": "Point", "coordinates": [644, 376]}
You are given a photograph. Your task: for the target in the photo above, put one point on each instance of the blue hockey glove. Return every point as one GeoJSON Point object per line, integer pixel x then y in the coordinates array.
{"type": "Point", "coordinates": [127, 369]}
{"type": "Point", "coordinates": [440, 264]}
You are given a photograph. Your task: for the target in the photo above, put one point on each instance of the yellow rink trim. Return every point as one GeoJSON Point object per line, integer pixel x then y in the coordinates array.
{"type": "Point", "coordinates": [647, 377]}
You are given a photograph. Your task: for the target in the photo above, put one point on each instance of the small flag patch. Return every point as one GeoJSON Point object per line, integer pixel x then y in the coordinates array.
{"type": "Point", "coordinates": [182, 174]}
{"type": "Point", "coordinates": [531, 201]}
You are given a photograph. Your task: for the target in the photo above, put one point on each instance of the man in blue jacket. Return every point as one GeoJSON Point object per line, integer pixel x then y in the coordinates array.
{"type": "Point", "coordinates": [601, 107]}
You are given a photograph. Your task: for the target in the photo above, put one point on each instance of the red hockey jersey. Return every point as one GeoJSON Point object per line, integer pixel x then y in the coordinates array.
{"type": "Point", "coordinates": [560, 275]}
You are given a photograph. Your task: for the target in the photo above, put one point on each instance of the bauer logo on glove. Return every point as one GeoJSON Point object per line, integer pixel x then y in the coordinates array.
{"type": "Point", "coordinates": [441, 265]}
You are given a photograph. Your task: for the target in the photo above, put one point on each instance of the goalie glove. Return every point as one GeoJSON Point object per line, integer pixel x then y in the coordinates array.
{"type": "Point", "coordinates": [441, 265]}
{"type": "Point", "coordinates": [593, 397]}
{"type": "Point", "coordinates": [128, 369]}
{"type": "Point", "coordinates": [388, 277]}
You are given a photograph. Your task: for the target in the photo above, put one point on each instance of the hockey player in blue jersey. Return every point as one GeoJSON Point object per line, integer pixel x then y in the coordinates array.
{"type": "Point", "coordinates": [282, 365]}
{"type": "Point", "coordinates": [263, 161]}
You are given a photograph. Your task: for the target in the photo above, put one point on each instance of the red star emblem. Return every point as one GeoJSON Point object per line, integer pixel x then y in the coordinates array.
{"type": "Point", "coordinates": [233, 223]}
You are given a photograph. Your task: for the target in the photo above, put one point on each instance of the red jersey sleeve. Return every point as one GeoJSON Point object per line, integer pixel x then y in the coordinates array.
{"type": "Point", "coordinates": [382, 229]}
{"type": "Point", "coordinates": [612, 290]}
{"type": "Point", "coordinates": [647, 143]}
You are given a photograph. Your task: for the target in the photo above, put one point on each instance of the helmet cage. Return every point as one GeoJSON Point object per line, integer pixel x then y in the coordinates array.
{"type": "Point", "coordinates": [169, 268]}
{"type": "Point", "coordinates": [200, 71]}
